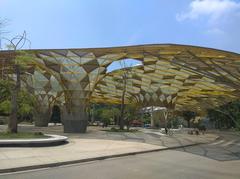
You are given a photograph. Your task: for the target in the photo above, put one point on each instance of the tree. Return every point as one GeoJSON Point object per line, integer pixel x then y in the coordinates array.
{"type": "Point", "coordinates": [188, 115]}
{"type": "Point", "coordinates": [109, 114]}
{"type": "Point", "coordinates": [5, 107]}
{"type": "Point", "coordinates": [116, 114]}
{"type": "Point", "coordinates": [25, 101]}
{"type": "Point", "coordinates": [106, 116]}
{"type": "Point", "coordinates": [105, 113]}
{"type": "Point", "coordinates": [131, 113]}
{"type": "Point", "coordinates": [122, 84]}
{"type": "Point", "coordinates": [5, 90]}
{"type": "Point", "coordinates": [146, 118]}
{"type": "Point", "coordinates": [124, 81]}
{"type": "Point", "coordinates": [16, 43]}
{"type": "Point", "coordinates": [227, 115]}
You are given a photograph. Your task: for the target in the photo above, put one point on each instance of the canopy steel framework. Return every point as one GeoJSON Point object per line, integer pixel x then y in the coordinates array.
{"type": "Point", "coordinates": [172, 76]}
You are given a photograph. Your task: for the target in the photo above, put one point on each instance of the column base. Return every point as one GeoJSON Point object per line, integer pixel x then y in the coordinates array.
{"type": "Point", "coordinates": [41, 120]}
{"type": "Point", "coordinates": [75, 126]}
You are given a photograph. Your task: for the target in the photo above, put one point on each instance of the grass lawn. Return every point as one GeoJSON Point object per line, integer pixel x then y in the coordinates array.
{"type": "Point", "coordinates": [22, 135]}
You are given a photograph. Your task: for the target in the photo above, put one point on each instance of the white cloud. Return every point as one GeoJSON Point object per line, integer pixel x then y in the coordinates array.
{"type": "Point", "coordinates": [218, 22]}
{"type": "Point", "coordinates": [214, 9]}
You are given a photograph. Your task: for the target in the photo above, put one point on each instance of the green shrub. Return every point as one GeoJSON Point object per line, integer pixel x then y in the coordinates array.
{"type": "Point", "coordinates": [202, 127]}
{"type": "Point", "coordinates": [1, 122]}
{"type": "Point", "coordinates": [38, 133]}
{"type": "Point", "coordinates": [5, 107]}
{"type": "Point", "coordinates": [113, 129]}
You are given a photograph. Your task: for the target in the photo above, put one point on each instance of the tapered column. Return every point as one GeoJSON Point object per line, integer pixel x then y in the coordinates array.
{"type": "Point", "coordinates": [75, 118]}
{"type": "Point", "coordinates": [42, 116]}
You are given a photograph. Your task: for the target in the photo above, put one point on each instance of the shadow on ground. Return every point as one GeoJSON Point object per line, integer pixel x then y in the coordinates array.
{"type": "Point", "coordinates": [215, 150]}
{"type": "Point", "coordinates": [221, 150]}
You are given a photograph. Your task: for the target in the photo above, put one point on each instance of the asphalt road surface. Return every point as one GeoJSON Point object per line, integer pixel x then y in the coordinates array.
{"type": "Point", "coordinates": [220, 159]}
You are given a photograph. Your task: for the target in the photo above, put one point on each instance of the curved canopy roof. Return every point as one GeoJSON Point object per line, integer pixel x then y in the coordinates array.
{"type": "Point", "coordinates": [171, 75]}
{"type": "Point", "coordinates": [171, 88]}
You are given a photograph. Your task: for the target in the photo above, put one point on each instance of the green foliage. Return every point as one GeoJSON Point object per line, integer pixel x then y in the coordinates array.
{"type": "Point", "coordinates": [227, 115]}
{"type": "Point", "coordinates": [113, 129]}
{"type": "Point", "coordinates": [109, 114]}
{"type": "Point", "coordinates": [26, 103]}
{"type": "Point", "coordinates": [25, 100]}
{"type": "Point", "coordinates": [25, 109]}
{"type": "Point", "coordinates": [97, 114]}
{"type": "Point", "coordinates": [5, 107]}
{"type": "Point", "coordinates": [174, 122]}
{"type": "Point", "coordinates": [131, 112]}
{"type": "Point", "coordinates": [188, 115]}
{"type": "Point", "coordinates": [106, 113]}
{"type": "Point", "coordinates": [26, 97]}
{"type": "Point", "coordinates": [5, 90]}
{"type": "Point", "coordinates": [116, 111]}
{"type": "Point", "coordinates": [146, 118]}
{"type": "Point", "coordinates": [23, 58]}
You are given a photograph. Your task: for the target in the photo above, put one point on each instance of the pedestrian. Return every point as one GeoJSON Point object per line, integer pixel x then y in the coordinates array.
{"type": "Point", "coordinates": [166, 130]}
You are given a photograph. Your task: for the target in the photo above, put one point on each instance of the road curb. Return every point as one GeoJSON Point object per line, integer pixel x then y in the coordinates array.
{"type": "Point", "coordinates": [53, 140]}
{"type": "Point", "coordinates": [57, 164]}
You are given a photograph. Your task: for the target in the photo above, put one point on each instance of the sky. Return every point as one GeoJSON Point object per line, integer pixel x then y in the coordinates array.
{"type": "Point", "coordinates": [52, 24]}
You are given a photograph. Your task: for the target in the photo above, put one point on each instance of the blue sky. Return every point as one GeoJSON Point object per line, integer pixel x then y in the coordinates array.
{"type": "Point", "coordinates": [104, 23]}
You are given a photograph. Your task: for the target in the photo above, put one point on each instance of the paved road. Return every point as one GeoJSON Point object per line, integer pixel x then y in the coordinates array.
{"type": "Point", "coordinates": [226, 148]}
{"type": "Point", "coordinates": [220, 159]}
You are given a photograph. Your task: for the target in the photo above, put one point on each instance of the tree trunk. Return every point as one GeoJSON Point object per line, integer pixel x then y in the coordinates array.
{"type": "Point", "coordinates": [123, 103]}
{"type": "Point", "coordinates": [188, 123]}
{"type": "Point", "coordinates": [12, 124]}
{"type": "Point", "coordinates": [128, 125]}
{"type": "Point", "coordinates": [121, 122]}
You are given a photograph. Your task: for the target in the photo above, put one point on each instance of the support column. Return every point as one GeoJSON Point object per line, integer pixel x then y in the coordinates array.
{"type": "Point", "coordinates": [156, 116]}
{"type": "Point", "coordinates": [165, 114]}
{"type": "Point", "coordinates": [42, 117]}
{"type": "Point", "coordinates": [75, 118]}
{"type": "Point", "coordinates": [152, 118]}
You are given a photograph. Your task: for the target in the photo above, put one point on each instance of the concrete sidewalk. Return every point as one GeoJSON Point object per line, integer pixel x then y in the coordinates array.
{"type": "Point", "coordinates": [94, 145]}
{"type": "Point", "coordinates": [77, 150]}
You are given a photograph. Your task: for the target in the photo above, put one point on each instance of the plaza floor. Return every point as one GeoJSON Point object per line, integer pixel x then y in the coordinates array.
{"type": "Point", "coordinates": [93, 145]}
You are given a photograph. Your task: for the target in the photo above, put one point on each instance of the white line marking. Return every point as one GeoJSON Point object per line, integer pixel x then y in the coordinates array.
{"type": "Point", "coordinates": [218, 142]}
{"type": "Point", "coordinates": [228, 143]}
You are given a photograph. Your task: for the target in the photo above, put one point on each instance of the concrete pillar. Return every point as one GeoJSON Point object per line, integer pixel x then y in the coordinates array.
{"type": "Point", "coordinates": [152, 118]}
{"type": "Point", "coordinates": [75, 118]}
{"type": "Point", "coordinates": [152, 121]}
{"type": "Point", "coordinates": [156, 115]}
{"type": "Point", "coordinates": [42, 117]}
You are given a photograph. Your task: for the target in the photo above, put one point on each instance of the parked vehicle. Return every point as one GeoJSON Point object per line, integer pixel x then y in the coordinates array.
{"type": "Point", "coordinates": [136, 123]}
{"type": "Point", "coordinates": [147, 125]}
